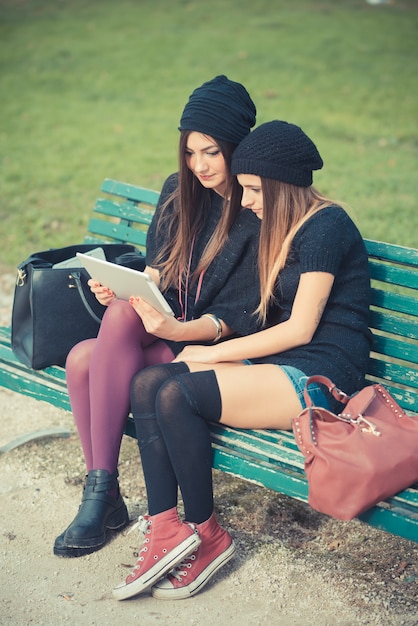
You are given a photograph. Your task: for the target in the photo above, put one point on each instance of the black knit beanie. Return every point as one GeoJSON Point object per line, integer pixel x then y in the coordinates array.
{"type": "Point", "coordinates": [220, 108]}
{"type": "Point", "coordinates": [278, 150]}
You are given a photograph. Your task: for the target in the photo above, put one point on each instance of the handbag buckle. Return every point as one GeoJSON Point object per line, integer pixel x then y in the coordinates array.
{"type": "Point", "coordinates": [21, 277]}
{"type": "Point", "coordinates": [71, 285]}
{"type": "Point", "coordinates": [360, 419]}
{"type": "Point", "coordinates": [339, 395]}
{"type": "Point", "coordinates": [371, 428]}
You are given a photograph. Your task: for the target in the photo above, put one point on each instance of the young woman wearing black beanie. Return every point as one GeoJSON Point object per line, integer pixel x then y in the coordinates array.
{"type": "Point", "coordinates": [314, 302]}
{"type": "Point", "coordinates": [201, 250]}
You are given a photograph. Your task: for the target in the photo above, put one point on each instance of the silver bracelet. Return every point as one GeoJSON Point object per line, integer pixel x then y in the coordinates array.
{"type": "Point", "coordinates": [217, 324]}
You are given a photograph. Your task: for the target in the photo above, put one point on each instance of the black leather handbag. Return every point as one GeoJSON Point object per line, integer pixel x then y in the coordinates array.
{"type": "Point", "coordinates": [53, 308]}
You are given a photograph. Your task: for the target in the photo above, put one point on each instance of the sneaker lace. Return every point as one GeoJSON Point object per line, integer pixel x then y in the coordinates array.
{"type": "Point", "coordinates": [180, 570]}
{"type": "Point", "coordinates": [142, 526]}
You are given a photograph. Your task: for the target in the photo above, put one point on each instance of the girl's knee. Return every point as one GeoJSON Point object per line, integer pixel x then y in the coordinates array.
{"type": "Point", "coordinates": [149, 382]}
{"type": "Point", "coordinates": [170, 399]}
{"type": "Point", "coordinates": [79, 356]}
{"type": "Point", "coordinates": [119, 310]}
{"type": "Point", "coordinates": [121, 324]}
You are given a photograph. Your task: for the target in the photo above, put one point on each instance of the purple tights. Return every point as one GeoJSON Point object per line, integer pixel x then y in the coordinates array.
{"type": "Point", "coordinates": [99, 373]}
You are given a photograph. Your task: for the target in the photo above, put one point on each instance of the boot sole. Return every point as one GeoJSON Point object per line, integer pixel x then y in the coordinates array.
{"type": "Point", "coordinates": [157, 571]}
{"type": "Point", "coordinates": [95, 543]}
{"type": "Point", "coordinates": [181, 593]}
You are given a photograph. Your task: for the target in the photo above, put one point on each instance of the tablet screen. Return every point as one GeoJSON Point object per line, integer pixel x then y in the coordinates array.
{"type": "Point", "coordinates": [125, 282]}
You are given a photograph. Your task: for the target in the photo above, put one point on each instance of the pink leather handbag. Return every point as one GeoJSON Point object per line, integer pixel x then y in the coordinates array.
{"type": "Point", "coordinates": [365, 454]}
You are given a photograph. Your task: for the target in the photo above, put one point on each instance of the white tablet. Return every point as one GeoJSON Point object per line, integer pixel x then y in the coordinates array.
{"type": "Point", "coordinates": [125, 282]}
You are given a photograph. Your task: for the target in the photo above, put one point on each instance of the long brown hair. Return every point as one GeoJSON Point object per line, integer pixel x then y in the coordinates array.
{"type": "Point", "coordinates": [191, 203]}
{"type": "Point", "coordinates": [285, 209]}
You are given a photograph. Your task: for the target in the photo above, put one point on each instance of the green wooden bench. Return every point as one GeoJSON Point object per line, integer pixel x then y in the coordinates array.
{"type": "Point", "coordinates": [266, 457]}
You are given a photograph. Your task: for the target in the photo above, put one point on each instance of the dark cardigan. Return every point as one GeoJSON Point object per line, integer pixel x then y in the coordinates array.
{"type": "Point", "coordinates": [230, 287]}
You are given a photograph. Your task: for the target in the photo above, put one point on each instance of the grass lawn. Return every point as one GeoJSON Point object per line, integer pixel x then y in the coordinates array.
{"type": "Point", "coordinates": [95, 89]}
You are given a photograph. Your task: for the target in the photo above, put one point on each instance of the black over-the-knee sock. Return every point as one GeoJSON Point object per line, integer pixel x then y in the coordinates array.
{"type": "Point", "coordinates": [184, 406]}
{"type": "Point", "coordinates": [160, 479]}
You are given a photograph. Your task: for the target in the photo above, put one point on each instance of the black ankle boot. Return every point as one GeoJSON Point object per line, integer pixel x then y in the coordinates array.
{"type": "Point", "coordinates": [59, 544]}
{"type": "Point", "coordinates": [99, 511]}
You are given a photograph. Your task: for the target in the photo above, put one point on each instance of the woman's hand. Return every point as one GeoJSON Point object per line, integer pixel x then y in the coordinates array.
{"type": "Point", "coordinates": [153, 273]}
{"type": "Point", "coordinates": [156, 323]}
{"type": "Point", "coordinates": [103, 294]}
{"type": "Point", "coordinates": [199, 354]}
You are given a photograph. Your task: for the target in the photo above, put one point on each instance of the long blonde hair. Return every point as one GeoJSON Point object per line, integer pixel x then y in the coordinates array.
{"type": "Point", "coordinates": [285, 209]}
{"type": "Point", "coordinates": [191, 203]}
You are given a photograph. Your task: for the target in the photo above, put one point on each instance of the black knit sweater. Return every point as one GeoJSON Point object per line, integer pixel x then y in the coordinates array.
{"type": "Point", "coordinates": [330, 242]}
{"type": "Point", "coordinates": [230, 288]}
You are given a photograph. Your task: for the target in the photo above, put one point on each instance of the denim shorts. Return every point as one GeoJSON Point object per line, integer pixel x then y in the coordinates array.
{"type": "Point", "coordinates": [298, 380]}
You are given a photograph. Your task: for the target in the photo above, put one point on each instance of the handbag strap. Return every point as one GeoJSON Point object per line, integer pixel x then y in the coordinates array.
{"type": "Point", "coordinates": [21, 268]}
{"type": "Point", "coordinates": [336, 393]}
{"type": "Point", "coordinates": [77, 279]}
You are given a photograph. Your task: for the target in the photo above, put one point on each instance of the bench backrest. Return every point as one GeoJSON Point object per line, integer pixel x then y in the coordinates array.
{"type": "Point", "coordinates": [124, 219]}
{"type": "Point", "coordinates": [394, 270]}
{"type": "Point", "coordinates": [394, 321]}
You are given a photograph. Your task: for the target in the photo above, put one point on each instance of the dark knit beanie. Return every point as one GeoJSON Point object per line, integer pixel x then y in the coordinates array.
{"type": "Point", "coordinates": [220, 108]}
{"type": "Point", "coordinates": [278, 150]}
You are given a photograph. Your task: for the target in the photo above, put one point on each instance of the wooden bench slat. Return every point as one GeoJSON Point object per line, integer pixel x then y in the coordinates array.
{"type": "Point", "coordinates": [48, 385]}
{"type": "Point", "coordinates": [395, 348]}
{"type": "Point", "coordinates": [288, 483]}
{"type": "Point", "coordinates": [118, 232]}
{"type": "Point", "coordinates": [391, 252]}
{"type": "Point", "coordinates": [127, 211]}
{"type": "Point", "coordinates": [274, 437]}
{"type": "Point", "coordinates": [409, 499]}
{"type": "Point", "coordinates": [256, 448]}
{"type": "Point", "coordinates": [406, 397]}
{"type": "Point", "coordinates": [393, 520]}
{"type": "Point", "coordinates": [391, 274]}
{"type": "Point", "coordinates": [130, 192]}
{"type": "Point", "coordinates": [278, 437]}
{"type": "Point", "coordinates": [393, 372]}
{"type": "Point", "coordinates": [394, 324]}
{"type": "Point", "coordinates": [400, 303]}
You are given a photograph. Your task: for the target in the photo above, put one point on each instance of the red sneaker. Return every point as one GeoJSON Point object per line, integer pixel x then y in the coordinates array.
{"type": "Point", "coordinates": [167, 542]}
{"type": "Point", "coordinates": [188, 578]}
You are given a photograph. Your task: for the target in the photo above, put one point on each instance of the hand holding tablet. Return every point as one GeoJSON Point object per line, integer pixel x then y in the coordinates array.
{"type": "Point", "coordinates": [125, 282]}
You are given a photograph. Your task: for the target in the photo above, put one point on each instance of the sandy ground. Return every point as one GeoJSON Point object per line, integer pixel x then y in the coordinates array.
{"type": "Point", "coordinates": [293, 566]}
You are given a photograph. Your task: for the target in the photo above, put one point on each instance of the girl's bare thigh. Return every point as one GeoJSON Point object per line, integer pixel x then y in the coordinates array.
{"type": "Point", "coordinates": [254, 396]}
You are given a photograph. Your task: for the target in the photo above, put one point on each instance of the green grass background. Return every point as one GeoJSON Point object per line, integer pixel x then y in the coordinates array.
{"type": "Point", "coordinates": [91, 89]}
